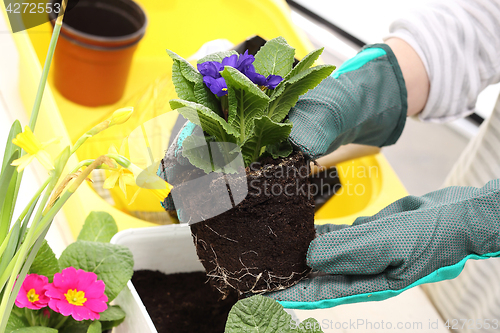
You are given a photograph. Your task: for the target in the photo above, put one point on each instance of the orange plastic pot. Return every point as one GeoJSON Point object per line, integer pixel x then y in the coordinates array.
{"type": "Point", "coordinates": [95, 50]}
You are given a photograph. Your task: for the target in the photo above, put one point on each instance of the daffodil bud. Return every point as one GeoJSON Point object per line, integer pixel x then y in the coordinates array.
{"type": "Point", "coordinates": [122, 161]}
{"type": "Point", "coordinates": [121, 115]}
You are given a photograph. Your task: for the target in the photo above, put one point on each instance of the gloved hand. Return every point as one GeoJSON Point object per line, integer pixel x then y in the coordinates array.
{"type": "Point", "coordinates": [414, 240]}
{"type": "Point", "coordinates": [364, 101]}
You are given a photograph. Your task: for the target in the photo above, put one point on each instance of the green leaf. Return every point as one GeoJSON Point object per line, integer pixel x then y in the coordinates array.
{"type": "Point", "coordinates": [45, 262]}
{"type": "Point", "coordinates": [205, 97]}
{"type": "Point", "coordinates": [184, 77]}
{"type": "Point", "coordinates": [10, 148]}
{"type": "Point", "coordinates": [207, 119]}
{"type": "Point", "coordinates": [246, 101]}
{"type": "Point", "coordinates": [8, 182]}
{"type": "Point", "coordinates": [183, 87]}
{"type": "Point", "coordinates": [305, 63]}
{"type": "Point", "coordinates": [265, 132]}
{"type": "Point", "coordinates": [95, 327]}
{"type": "Point", "coordinates": [275, 57]}
{"type": "Point", "coordinates": [112, 263]}
{"type": "Point", "coordinates": [258, 314]}
{"type": "Point", "coordinates": [112, 313]}
{"type": "Point", "coordinates": [309, 325]}
{"type": "Point", "coordinates": [282, 149]}
{"type": "Point", "coordinates": [11, 248]}
{"type": "Point", "coordinates": [217, 56]}
{"type": "Point", "coordinates": [16, 322]}
{"type": "Point", "coordinates": [98, 227]}
{"type": "Point", "coordinates": [187, 70]}
{"type": "Point", "coordinates": [35, 329]}
{"type": "Point", "coordinates": [287, 96]}
{"type": "Point", "coordinates": [195, 149]}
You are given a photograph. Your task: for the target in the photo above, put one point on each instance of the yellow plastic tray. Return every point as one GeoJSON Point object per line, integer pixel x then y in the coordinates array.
{"type": "Point", "coordinates": [183, 26]}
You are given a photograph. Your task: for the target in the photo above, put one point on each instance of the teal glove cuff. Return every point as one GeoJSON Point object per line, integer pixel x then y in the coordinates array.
{"type": "Point", "coordinates": [364, 101]}
{"type": "Point", "coordinates": [441, 274]}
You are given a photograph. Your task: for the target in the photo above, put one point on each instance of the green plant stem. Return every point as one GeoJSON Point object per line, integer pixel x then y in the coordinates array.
{"type": "Point", "coordinates": [80, 142]}
{"type": "Point", "coordinates": [61, 322]}
{"type": "Point", "coordinates": [46, 67]}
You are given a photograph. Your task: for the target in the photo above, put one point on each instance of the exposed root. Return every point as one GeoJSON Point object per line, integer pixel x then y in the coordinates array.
{"type": "Point", "coordinates": [229, 239]}
{"type": "Point", "coordinates": [272, 231]}
{"type": "Point", "coordinates": [245, 281]}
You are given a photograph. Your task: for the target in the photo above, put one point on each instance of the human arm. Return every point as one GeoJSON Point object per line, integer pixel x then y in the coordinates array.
{"type": "Point", "coordinates": [455, 42]}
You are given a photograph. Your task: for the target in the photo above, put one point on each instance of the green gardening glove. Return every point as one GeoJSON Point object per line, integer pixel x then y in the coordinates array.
{"type": "Point", "coordinates": [363, 102]}
{"type": "Point", "coordinates": [413, 241]}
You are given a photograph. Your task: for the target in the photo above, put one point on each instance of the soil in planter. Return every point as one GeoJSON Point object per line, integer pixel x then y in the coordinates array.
{"type": "Point", "coordinates": [261, 244]}
{"type": "Point", "coordinates": [182, 302]}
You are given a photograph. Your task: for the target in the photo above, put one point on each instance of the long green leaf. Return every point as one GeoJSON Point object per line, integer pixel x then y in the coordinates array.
{"type": "Point", "coordinates": [288, 95]}
{"type": "Point", "coordinates": [265, 132]}
{"type": "Point", "coordinates": [8, 181]}
{"type": "Point", "coordinates": [9, 298]}
{"type": "Point", "coordinates": [246, 101]}
{"type": "Point", "coordinates": [207, 119]}
{"type": "Point", "coordinates": [10, 148]}
{"type": "Point", "coordinates": [274, 58]}
{"type": "Point", "coordinates": [11, 249]}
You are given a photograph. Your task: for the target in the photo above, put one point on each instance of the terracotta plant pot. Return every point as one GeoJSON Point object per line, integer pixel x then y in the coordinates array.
{"type": "Point", "coordinates": [261, 244]}
{"type": "Point", "coordinates": [95, 50]}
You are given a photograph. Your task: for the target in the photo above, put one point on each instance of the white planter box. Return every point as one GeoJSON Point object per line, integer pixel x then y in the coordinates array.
{"type": "Point", "coordinates": [168, 249]}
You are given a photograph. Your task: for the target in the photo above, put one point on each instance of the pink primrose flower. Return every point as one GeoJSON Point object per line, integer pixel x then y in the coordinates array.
{"type": "Point", "coordinates": [32, 292]}
{"type": "Point", "coordinates": [77, 293]}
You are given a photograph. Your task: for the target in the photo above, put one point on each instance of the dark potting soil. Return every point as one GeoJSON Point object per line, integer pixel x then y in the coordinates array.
{"type": "Point", "coordinates": [261, 244]}
{"type": "Point", "coordinates": [182, 302]}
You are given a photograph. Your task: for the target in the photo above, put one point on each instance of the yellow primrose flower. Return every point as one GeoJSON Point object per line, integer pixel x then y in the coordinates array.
{"type": "Point", "coordinates": [34, 149]}
{"type": "Point", "coordinates": [119, 175]}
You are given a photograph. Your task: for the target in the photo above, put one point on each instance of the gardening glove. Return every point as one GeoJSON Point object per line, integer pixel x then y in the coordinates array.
{"type": "Point", "coordinates": [414, 240]}
{"type": "Point", "coordinates": [364, 101]}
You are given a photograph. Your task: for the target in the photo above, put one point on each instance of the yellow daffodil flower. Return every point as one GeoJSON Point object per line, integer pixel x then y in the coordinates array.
{"type": "Point", "coordinates": [149, 180]}
{"type": "Point", "coordinates": [34, 149]}
{"type": "Point", "coordinates": [119, 175]}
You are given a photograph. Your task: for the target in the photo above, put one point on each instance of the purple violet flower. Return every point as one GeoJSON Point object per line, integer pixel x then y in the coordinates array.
{"type": "Point", "coordinates": [272, 81]}
{"type": "Point", "coordinates": [255, 77]}
{"type": "Point", "coordinates": [216, 86]}
{"type": "Point", "coordinates": [244, 63]}
{"type": "Point", "coordinates": [241, 62]}
{"type": "Point", "coordinates": [210, 68]}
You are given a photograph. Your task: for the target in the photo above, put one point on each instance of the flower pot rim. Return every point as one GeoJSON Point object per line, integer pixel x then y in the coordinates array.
{"type": "Point", "coordinates": [122, 41]}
